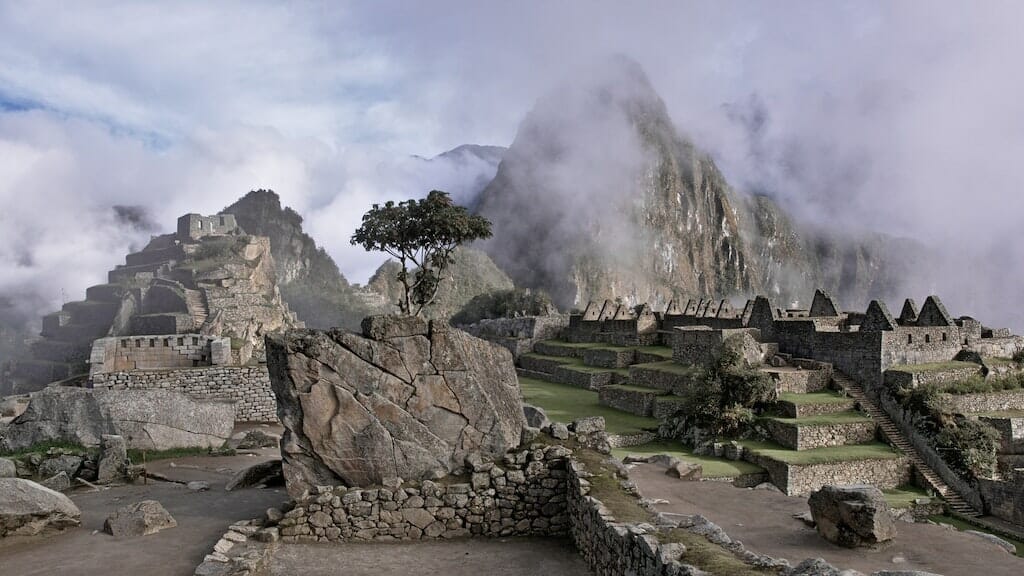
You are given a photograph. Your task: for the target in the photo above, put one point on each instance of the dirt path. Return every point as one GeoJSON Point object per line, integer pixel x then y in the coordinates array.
{"type": "Point", "coordinates": [763, 521]}
{"type": "Point", "coordinates": [491, 557]}
{"type": "Point", "coordinates": [202, 517]}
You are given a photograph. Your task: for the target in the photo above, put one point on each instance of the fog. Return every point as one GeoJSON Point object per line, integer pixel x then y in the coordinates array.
{"type": "Point", "coordinates": [895, 117]}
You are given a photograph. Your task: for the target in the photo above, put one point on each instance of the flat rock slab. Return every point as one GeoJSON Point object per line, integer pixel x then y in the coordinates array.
{"type": "Point", "coordinates": [139, 519]}
{"type": "Point", "coordinates": [852, 515]}
{"type": "Point", "coordinates": [29, 509]}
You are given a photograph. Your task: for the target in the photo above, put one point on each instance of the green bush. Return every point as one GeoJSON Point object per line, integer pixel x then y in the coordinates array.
{"type": "Point", "coordinates": [217, 248]}
{"type": "Point", "coordinates": [969, 447]}
{"type": "Point", "coordinates": [1018, 356]}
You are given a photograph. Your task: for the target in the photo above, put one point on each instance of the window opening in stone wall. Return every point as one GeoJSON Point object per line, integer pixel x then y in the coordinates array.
{"type": "Point", "coordinates": [152, 342]}
{"type": "Point", "coordinates": [181, 341]}
{"type": "Point", "coordinates": [124, 343]}
{"type": "Point", "coordinates": [138, 343]}
{"type": "Point", "coordinates": [910, 338]}
{"type": "Point", "coordinates": [944, 337]}
{"type": "Point", "coordinates": [195, 341]}
{"type": "Point", "coordinates": [927, 338]}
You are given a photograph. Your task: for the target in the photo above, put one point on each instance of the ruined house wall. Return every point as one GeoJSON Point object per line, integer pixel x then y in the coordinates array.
{"type": "Point", "coordinates": [247, 386]}
{"type": "Point", "coordinates": [195, 226]}
{"type": "Point", "coordinates": [519, 335]}
{"type": "Point", "coordinates": [920, 345]}
{"type": "Point", "coordinates": [123, 353]}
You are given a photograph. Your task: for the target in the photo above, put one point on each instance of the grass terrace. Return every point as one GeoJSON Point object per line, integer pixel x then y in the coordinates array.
{"type": "Point", "coordinates": [670, 367]}
{"type": "Point", "coordinates": [847, 417]}
{"type": "Point", "coordinates": [712, 467]}
{"type": "Point", "coordinates": [811, 398]}
{"type": "Point", "coordinates": [567, 403]}
{"type": "Point", "coordinates": [1003, 414]}
{"type": "Point", "coordinates": [935, 367]}
{"type": "Point", "coordinates": [963, 526]}
{"type": "Point", "coordinates": [828, 455]}
{"type": "Point", "coordinates": [904, 496]}
{"type": "Point", "coordinates": [663, 351]}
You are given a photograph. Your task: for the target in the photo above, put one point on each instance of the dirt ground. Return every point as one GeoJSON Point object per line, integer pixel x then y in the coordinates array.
{"type": "Point", "coordinates": [501, 557]}
{"type": "Point", "coordinates": [202, 518]}
{"type": "Point", "coordinates": [763, 521]}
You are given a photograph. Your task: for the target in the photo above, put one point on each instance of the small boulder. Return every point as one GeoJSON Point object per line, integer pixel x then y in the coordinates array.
{"type": "Point", "coordinates": [139, 519]}
{"type": "Point", "coordinates": [258, 439]}
{"type": "Point", "coordinates": [67, 463]}
{"type": "Point", "coordinates": [113, 459]}
{"type": "Point", "coordinates": [28, 509]}
{"type": "Point", "coordinates": [685, 471]}
{"type": "Point", "coordinates": [198, 486]}
{"type": "Point", "coordinates": [267, 473]}
{"type": "Point", "coordinates": [58, 482]}
{"type": "Point", "coordinates": [559, 431]}
{"type": "Point", "coordinates": [8, 469]}
{"type": "Point", "coordinates": [852, 515]}
{"type": "Point", "coordinates": [535, 416]}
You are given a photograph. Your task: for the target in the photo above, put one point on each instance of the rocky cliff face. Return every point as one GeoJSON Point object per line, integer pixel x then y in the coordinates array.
{"type": "Point", "coordinates": [407, 399]}
{"type": "Point", "coordinates": [470, 274]}
{"type": "Point", "coordinates": [309, 278]}
{"type": "Point", "coordinates": [600, 197]}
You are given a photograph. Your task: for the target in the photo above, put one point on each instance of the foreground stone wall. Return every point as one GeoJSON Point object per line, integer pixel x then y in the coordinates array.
{"type": "Point", "coordinates": [247, 386]}
{"type": "Point", "coordinates": [1004, 499]}
{"type": "Point", "coordinates": [522, 495]}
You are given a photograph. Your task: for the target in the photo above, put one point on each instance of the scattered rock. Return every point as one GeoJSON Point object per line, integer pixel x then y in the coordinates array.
{"type": "Point", "coordinates": [768, 486]}
{"type": "Point", "coordinates": [416, 396]}
{"type": "Point", "coordinates": [806, 518]}
{"type": "Point", "coordinates": [58, 482]}
{"type": "Point", "coordinates": [685, 471]}
{"type": "Point", "coordinates": [267, 473]}
{"type": "Point", "coordinates": [559, 431]}
{"type": "Point", "coordinates": [535, 416]}
{"type": "Point", "coordinates": [274, 515]}
{"type": "Point", "coordinates": [139, 519]}
{"type": "Point", "coordinates": [995, 540]}
{"type": "Point", "coordinates": [903, 573]}
{"type": "Point", "coordinates": [8, 469]}
{"type": "Point", "coordinates": [813, 567]}
{"type": "Point", "coordinates": [634, 458]}
{"type": "Point", "coordinates": [198, 486]}
{"type": "Point", "coordinates": [852, 515]}
{"type": "Point", "coordinates": [66, 463]}
{"type": "Point", "coordinates": [147, 419]}
{"type": "Point", "coordinates": [258, 439]}
{"type": "Point", "coordinates": [663, 460]}
{"type": "Point", "coordinates": [113, 459]}
{"type": "Point", "coordinates": [28, 509]}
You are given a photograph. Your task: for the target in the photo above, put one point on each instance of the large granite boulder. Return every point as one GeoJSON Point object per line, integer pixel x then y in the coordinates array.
{"type": "Point", "coordinates": [139, 519]}
{"type": "Point", "coordinates": [852, 515]}
{"type": "Point", "coordinates": [406, 399]}
{"type": "Point", "coordinates": [146, 419]}
{"type": "Point", "coordinates": [28, 509]}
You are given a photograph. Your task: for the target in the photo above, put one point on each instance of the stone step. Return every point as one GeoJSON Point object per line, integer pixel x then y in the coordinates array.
{"type": "Point", "coordinates": [543, 363]}
{"type": "Point", "coordinates": [588, 377]}
{"type": "Point", "coordinates": [799, 473]}
{"type": "Point", "coordinates": [632, 399]}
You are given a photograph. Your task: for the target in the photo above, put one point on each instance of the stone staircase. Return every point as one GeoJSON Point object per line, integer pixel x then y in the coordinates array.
{"type": "Point", "coordinates": [955, 502]}
{"type": "Point", "coordinates": [197, 307]}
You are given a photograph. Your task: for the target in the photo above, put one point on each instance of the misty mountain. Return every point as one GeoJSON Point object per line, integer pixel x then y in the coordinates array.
{"type": "Point", "coordinates": [308, 277]}
{"type": "Point", "coordinates": [600, 196]}
{"type": "Point", "coordinates": [463, 171]}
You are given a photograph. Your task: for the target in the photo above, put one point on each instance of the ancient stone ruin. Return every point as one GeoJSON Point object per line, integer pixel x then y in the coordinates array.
{"type": "Point", "coordinates": [407, 398]}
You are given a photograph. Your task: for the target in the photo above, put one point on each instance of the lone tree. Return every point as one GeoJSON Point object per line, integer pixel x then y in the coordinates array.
{"type": "Point", "coordinates": [421, 234]}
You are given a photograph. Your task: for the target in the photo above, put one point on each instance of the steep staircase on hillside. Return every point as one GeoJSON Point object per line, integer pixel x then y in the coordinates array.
{"type": "Point", "coordinates": [197, 307]}
{"type": "Point", "coordinates": [893, 434]}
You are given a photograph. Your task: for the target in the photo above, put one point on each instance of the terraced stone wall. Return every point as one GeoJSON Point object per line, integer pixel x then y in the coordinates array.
{"type": "Point", "coordinates": [905, 379]}
{"type": "Point", "coordinates": [247, 386]}
{"type": "Point", "coordinates": [1004, 499]}
{"type": "Point", "coordinates": [986, 402]}
{"type": "Point", "coordinates": [810, 437]}
{"type": "Point", "coordinates": [519, 335]}
{"type": "Point", "coordinates": [800, 480]}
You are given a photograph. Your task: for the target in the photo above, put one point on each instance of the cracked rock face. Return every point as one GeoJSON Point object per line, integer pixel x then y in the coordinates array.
{"type": "Point", "coordinates": [406, 399]}
{"type": "Point", "coordinates": [146, 419]}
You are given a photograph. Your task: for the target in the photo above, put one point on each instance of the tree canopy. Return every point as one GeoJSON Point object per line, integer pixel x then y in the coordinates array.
{"type": "Point", "coordinates": [421, 234]}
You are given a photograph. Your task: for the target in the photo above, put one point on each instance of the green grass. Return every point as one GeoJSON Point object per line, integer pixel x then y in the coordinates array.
{"type": "Point", "coordinates": [904, 496]}
{"type": "Point", "coordinates": [670, 367]}
{"type": "Point", "coordinates": [605, 486]}
{"type": "Point", "coordinates": [712, 467]}
{"type": "Point", "coordinates": [847, 417]}
{"type": "Point", "coordinates": [136, 456]}
{"type": "Point", "coordinates": [631, 388]}
{"type": "Point", "coordinates": [710, 557]}
{"type": "Point", "coordinates": [811, 398]}
{"type": "Point", "coordinates": [964, 525]}
{"type": "Point", "coordinates": [567, 403]}
{"type": "Point", "coordinates": [663, 351]}
{"type": "Point", "coordinates": [830, 454]}
{"type": "Point", "coordinates": [558, 359]}
{"type": "Point", "coordinates": [574, 344]}
{"type": "Point", "coordinates": [935, 367]}
{"type": "Point", "coordinates": [997, 361]}
{"type": "Point", "coordinates": [43, 447]}
{"type": "Point", "coordinates": [594, 369]}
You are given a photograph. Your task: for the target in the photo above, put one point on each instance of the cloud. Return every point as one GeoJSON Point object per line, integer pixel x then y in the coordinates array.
{"type": "Point", "coordinates": [899, 117]}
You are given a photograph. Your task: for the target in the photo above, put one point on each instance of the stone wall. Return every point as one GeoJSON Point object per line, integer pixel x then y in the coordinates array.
{"type": "Point", "coordinates": [908, 379]}
{"type": "Point", "coordinates": [117, 354]}
{"type": "Point", "coordinates": [797, 480]}
{"type": "Point", "coordinates": [628, 399]}
{"type": "Point", "coordinates": [518, 335]}
{"type": "Point", "coordinates": [525, 494]}
{"type": "Point", "coordinates": [1004, 499]}
{"type": "Point", "coordinates": [810, 437]}
{"type": "Point", "coordinates": [248, 386]}
{"type": "Point", "coordinates": [986, 402]}
{"type": "Point", "coordinates": [608, 357]}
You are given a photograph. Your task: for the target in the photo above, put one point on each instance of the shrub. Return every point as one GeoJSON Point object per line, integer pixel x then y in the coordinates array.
{"type": "Point", "coordinates": [1018, 356]}
{"type": "Point", "coordinates": [969, 447]}
{"type": "Point", "coordinates": [217, 247]}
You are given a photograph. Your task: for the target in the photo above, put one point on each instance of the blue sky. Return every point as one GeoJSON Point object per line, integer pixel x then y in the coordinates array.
{"type": "Point", "coordinates": [902, 117]}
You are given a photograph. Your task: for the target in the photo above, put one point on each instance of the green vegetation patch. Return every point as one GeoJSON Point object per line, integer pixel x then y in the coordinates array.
{"type": "Point", "coordinates": [44, 447]}
{"type": "Point", "coordinates": [641, 389]}
{"type": "Point", "coordinates": [827, 455]}
{"type": "Point", "coordinates": [671, 367]}
{"type": "Point", "coordinates": [579, 345]}
{"type": "Point", "coordinates": [564, 403]}
{"type": "Point", "coordinates": [605, 486]}
{"type": "Point", "coordinates": [847, 417]}
{"type": "Point", "coordinates": [1003, 414]}
{"type": "Point", "coordinates": [812, 398]}
{"type": "Point", "coordinates": [964, 525]}
{"type": "Point", "coordinates": [594, 369]}
{"type": "Point", "coordinates": [712, 466]}
{"type": "Point", "coordinates": [663, 351]}
{"type": "Point", "coordinates": [710, 557]}
{"type": "Point", "coordinates": [904, 496]}
{"type": "Point", "coordinates": [935, 367]}
{"type": "Point", "coordinates": [558, 359]}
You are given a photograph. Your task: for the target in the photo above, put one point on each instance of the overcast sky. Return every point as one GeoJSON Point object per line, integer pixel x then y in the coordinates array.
{"type": "Point", "coordinates": [902, 117]}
